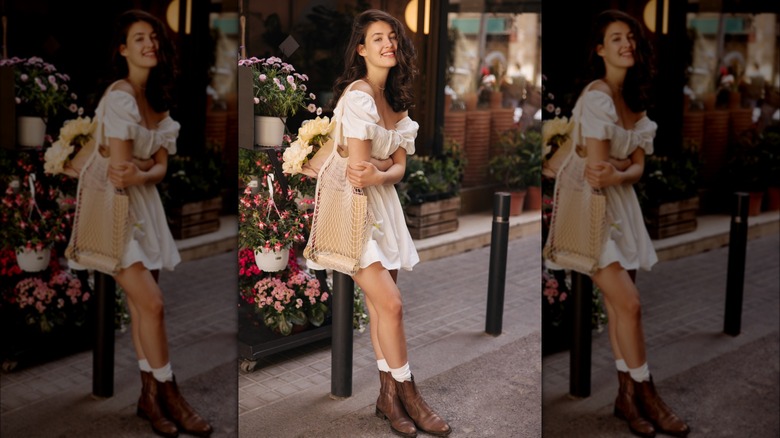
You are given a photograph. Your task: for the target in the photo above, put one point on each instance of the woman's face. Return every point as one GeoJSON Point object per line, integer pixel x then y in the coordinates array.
{"type": "Point", "coordinates": [141, 47]}
{"type": "Point", "coordinates": [380, 45]}
{"type": "Point", "coordinates": [619, 45]}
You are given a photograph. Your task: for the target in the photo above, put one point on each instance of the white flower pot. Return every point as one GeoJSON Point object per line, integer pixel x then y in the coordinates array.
{"type": "Point", "coordinates": [33, 260]}
{"type": "Point", "coordinates": [272, 261]}
{"type": "Point", "coordinates": [269, 130]}
{"type": "Point", "coordinates": [30, 131]}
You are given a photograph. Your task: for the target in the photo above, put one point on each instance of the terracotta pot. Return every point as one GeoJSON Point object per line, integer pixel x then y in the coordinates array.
{"type": "Point", "coordinates": [471, 99]}
{"type": "Point", "coordinates": [709, 100]}
{"type": "Point", "coordinates": [533, 198]}
{"type": "Point", "coordinates": [447, 102]}
{"type": "Point", "coordinates": [754, 209]}
{"type": "Point", "coordinates": [495, 99]}
{"type": "Point", "coordinates": [272, 261]}
{"type": "Point", "coordinates": [269, 130]}
{"type": "Point", "coordinates": [516, 201]}
{"type": "Point", "coordinates": [773, 199]}
{"type": "Point", "coordinates": [735, 99]}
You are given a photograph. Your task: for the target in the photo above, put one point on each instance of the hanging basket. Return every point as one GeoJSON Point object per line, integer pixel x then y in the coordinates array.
{"type": "Point", "coordinates": [269, 130]}
{"type": "Point", "coordinates": [31, 260]}
{"type": "Point", "coordinates": [270, 260]}
{"type": "Point", "coordinates": [31, 131]}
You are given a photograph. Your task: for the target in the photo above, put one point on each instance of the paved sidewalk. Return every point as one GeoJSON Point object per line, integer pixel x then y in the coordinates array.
{"type": "Point", "coordinates": [55, 399]}
{"type": "Point", "coordinates": [484, 385]}
{"type": "Point", "coordinates": [723, 386]}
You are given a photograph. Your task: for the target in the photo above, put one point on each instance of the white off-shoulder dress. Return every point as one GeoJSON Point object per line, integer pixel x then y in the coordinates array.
{"type": "Point", "coordinates": [390, 242]}
{"type": "Point", "coordinates": [151, 242]}
{"type": "Point", "coordinates": [628, 242]}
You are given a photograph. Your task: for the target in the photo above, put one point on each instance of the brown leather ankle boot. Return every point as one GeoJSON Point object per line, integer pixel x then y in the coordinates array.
{"type": "Point", "coordinates": [149, 407]}
{"type": "Point", "coordinates": [181, 412]}
{"type": "Point", "coordinates": [654, 409]}
{"type": "Point", "coordinates": [389, 406]}
{"type": "Point", "coordinates": [626, 408]}
{"type": "Point", "coordinates": [419, 411]}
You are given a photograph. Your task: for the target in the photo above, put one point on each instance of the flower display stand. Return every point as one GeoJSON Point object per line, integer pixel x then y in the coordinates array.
{"type": "Point", "coordinates": [672, 218]}
{"type": "Point", "coordinates": [195, 218]}
{"type": "Point", "coordinates": [432, 218]}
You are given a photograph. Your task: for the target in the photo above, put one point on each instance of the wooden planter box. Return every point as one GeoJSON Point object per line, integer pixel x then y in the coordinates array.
{"type": "Point", "coordinates": [672, 218]}
{"type": "Point", "coordinates": [195, 218]}
{"type": "Point", "coordinates": [433, 218]}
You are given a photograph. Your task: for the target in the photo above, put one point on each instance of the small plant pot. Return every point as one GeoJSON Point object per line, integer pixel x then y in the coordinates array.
{"type": "Point", "coordinates": [516, 201]}
{"type": "Point", "coordinates": [30, 260]}
{"type": "Point", "coordinates": [31, 131]}
{"type": "Point", "coordinates": [754, 209]}
{"type": "Point", "coordinates": [272, 261]}
{"type": "Point", "coordinates": [269, 131]}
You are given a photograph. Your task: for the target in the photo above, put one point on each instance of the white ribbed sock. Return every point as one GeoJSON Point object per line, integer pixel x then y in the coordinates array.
{"type": "Point", "coordinates": [164, 374]}
{"type": "Point", "coordinates": [402, 374]}
{"type": "Point", "coordinates": [143, 364]}
{"type": "Point", "coordinates": [641, 374]}
{"type": "Point", "coordinates": [382, 365]}
{"type": "Point", "coordinates": [620, 364]}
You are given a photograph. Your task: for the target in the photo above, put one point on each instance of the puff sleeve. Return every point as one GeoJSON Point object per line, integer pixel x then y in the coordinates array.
{"type": "Point", "coordinates": [598, 119]}
{"type": "Point", "coordinates": [359, 120]}
{"type": "Point", "coordinates": [121, 119]}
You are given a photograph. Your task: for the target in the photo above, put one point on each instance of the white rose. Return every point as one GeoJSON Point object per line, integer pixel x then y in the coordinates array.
{"type": "Point", "coordinates": [314, 127]}
{"type": "Point", "coordinates": [75, 127]}
{"type": "Point", "coordinates": [295, 156]}
{"type": "Point", "coordinates": [557, 126]}
{"type": "Point", "coordinates": [56, 156]}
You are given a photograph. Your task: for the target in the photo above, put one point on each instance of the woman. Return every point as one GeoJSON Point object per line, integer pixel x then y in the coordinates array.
{"type": "Point", "coordinates": [616, 134]}
{"type": "Point", "coordinates": [374, 95]}
{"type": "Point", "coordinates": [137, 133]}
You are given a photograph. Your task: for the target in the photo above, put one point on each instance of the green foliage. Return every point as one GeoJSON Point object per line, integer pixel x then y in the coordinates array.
{"type": "Point", "coordinates": [430, 178]}
{"type": "Point", "coordinates": [192, 178]}
{"type": "Point", "coordinates": [518, 163]}
{"type": "Point", "coordinates": [669, 178]}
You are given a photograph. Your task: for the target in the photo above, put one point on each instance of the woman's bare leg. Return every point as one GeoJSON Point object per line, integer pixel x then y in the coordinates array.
{"type": "Point", "coordinates": [611, 326]}
{"type": "Point", "coordinates": [386, 324]}
{"type": "Point", "coordinates": [146, 306]}
{"type": "Point", "coordinates": [621, 298]}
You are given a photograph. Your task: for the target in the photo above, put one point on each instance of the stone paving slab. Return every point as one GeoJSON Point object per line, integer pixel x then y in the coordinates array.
{"type": "Point", "coordinates": [683, 307]}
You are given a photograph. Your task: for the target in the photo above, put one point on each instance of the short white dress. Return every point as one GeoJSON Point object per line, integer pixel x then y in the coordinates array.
{"type": "Point", "coordinates": [151, 242]}
{"type": "Point", "coordinates": [628, 242]}
{"type": "Point", "coordinates": [390, 242]}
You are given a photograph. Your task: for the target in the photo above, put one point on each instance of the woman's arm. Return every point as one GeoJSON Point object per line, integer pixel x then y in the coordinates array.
{"type": "Point", "coordinates": [123, 171]}
{"type": "Point", "coordinates": [600, 172]}
{"type": "Point", "coordinates": [363, 173]}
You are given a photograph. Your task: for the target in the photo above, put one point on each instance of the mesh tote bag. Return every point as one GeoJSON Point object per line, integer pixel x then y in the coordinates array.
{"type": "Point", "coordinates": [341, 223]}
{"type": "Point", "coordinates": [578, 227]}
{"type": "Point", "coordinates": [101, 224]}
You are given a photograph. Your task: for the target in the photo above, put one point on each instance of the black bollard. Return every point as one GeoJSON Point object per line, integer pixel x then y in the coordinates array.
{"type": "Point", "coordinates": [103, 353]}
{"type": "Point", "coordinates": [580, 354]}
{"type": "Point", "coordinates": [499, 240]}
{"type": "Point", "coordinates": [341, 345]}
{"type": "Point", "coordinates": [735, 276]}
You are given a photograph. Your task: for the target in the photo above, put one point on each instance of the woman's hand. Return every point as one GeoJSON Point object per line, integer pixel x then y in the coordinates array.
{"type": "Point", "coordinates": [364, 174]}
{"type": "Point", "coordinates": [125, 174]}
{"type": "Point", "coordinates": [602, 174]}
{"type": "Point", "coordinates": [619, 164]}
{"type": "Point", "coordinates": [382, 165]}
{"type": "Point", "coordinates": [143, 165]}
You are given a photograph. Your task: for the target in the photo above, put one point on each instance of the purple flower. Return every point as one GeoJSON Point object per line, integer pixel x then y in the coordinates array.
{"type": "Point", "coordinates": [290, 79]}
{"type": "Point", "coordinates": [312, 107]}
{"type": "Point", "coordinates": [262, 78]}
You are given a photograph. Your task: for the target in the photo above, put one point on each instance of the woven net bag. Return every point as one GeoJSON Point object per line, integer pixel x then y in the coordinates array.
{"type": "Point", "coordinates": [101, 224]}
{"type": "Point", "coordinates": [341, 222]}
{"type": "Point", "coordinates": [578, 226]}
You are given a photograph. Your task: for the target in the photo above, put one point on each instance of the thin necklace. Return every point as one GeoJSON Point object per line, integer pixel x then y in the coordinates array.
{"type": "Point", "coordinates": [380, 88]}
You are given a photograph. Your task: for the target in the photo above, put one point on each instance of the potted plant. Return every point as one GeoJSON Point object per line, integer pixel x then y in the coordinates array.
{"type": "Point", "coordinates": [769, 140]}
{"type": "Point", "coordinates": [531, 153]}
{"type": "Point", "coordinates": [270, 222]}
{"type": "Point", "coordinates": [668, 191]}
{"type": "Point", "coordinates": [279, 92]}
{"type": "Point", "coordinates": [32, 223]}
{"type": "Point", "coordinates": [430, 191]}
{"type": "Point", "coordinates": [747, 168]}
{"type": "Point", "coordinates": [42, 93]}
{"type": "Point", "coordinates": [509, 167]}
{"type": "Point", "coordinates": [191, 192]}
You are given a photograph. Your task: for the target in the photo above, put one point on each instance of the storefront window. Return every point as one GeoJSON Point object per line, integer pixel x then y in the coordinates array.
{"type": "Point", "coordinates": [494, 51]}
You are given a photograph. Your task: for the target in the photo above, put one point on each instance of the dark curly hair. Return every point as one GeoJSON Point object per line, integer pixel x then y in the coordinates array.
{"type": "Point", "coordinates": [398, 88]}
{"type": "Point", "coordinates": [638, 81]}
{"type": "Point", "coordinates": [159, 87]}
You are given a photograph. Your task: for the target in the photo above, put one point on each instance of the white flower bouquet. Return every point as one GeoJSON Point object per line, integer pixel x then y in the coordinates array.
{"type": "Point", "coordinates": [70, 147]}
{"type": "Point", "coordinates": [311, 136]}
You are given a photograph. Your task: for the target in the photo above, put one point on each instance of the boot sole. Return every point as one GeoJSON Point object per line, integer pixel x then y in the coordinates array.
{"type": "Point", "coordinates": [382, 415]}
{"type": "Point", "coordinates": [620, 416]}
{"type": "Point", "coordinates": [143, 415]}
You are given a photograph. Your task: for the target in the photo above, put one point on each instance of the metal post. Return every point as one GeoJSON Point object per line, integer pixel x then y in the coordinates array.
{"type": "Point", "coordinates": [341, 344]}
{"type": "Point", "coordinates": [580, 355]}
{"type": "Point", "coordinates": [103, 353]}
{"type": "Point", "coordinates": [499, 239]}
{"type": "Point", "coordinates": [735, 276]}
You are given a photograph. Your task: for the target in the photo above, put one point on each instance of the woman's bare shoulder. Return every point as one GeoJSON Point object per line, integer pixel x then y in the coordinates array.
{"type": "Point", "coordinates": [363, 86]}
